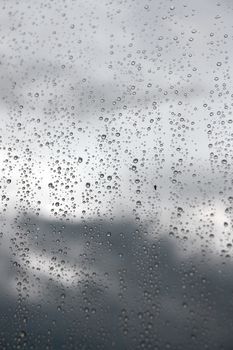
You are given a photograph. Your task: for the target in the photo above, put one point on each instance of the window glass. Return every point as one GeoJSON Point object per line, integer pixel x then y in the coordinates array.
{"type": "Point", "coordinates": [116, 156]}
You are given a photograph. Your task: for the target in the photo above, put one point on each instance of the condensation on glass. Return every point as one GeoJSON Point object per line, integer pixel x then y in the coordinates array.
{"type": "Point", "coordinates": [116, 162]}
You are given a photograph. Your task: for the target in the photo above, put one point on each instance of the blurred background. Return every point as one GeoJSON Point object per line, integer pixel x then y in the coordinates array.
{"type": "Point", "coordinates": [116, 174]}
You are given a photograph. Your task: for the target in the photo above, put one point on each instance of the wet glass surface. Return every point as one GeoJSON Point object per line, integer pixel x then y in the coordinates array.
{"type": "Point", "coordinates": [116, 143]}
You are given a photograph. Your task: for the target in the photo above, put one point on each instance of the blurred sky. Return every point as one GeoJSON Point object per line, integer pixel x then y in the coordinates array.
{"type": "Point", "coordinates": [119, 84]}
